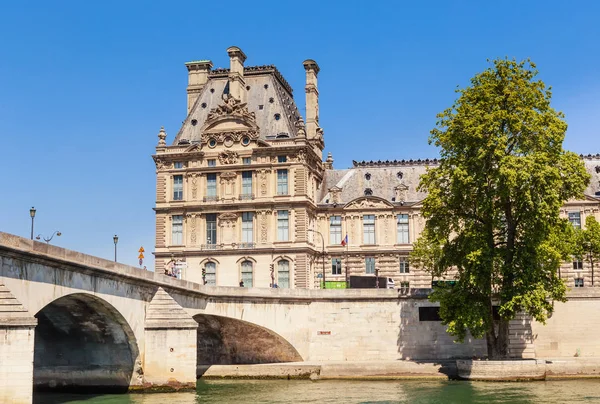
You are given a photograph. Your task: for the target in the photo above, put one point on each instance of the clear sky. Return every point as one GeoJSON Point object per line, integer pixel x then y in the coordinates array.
{"type": "Point", "coordinates": [85, 86]}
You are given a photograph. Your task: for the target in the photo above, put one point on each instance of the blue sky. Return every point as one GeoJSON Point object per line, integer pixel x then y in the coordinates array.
{"type": "Point", "coordinates": [85, 87]}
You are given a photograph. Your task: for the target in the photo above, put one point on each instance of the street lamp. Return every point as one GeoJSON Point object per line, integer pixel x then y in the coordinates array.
{"type": "Point", "coordinates": [32, 214]}
{"type": "Point", "coordinates": [323, 245]}
{"type": "Point", "coordinates": [116, 240]}
{"type": "Point", "coordinates": [47, 239]}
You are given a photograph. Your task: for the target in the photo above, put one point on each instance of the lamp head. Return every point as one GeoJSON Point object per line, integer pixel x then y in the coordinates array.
{"type": "Point", "coordinates": [116, 239]}
{"type": "Point", "coordinates": [32, 212]}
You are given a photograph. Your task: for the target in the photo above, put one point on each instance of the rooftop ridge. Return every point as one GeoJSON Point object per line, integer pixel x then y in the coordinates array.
{"type": "Point", "coordinates": [251, 70]}
{"type": "Point", "coordinates": [410, 162]}
{"type": "Point", "coordinates": [391, 163]}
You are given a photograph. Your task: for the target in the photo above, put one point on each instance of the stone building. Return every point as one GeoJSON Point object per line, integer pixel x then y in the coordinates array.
{"type": "Point", "coordinates": [245, 195]}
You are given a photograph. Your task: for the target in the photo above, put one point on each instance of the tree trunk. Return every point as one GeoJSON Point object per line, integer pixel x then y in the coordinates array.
{"type": "Point", "coordinates": [497, 341]}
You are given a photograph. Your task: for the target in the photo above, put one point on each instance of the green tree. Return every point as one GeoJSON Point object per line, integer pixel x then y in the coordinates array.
{"type": "Point", "coordinates": [587, 246]}
{"type": "Point", "coordinates": [493, 203]}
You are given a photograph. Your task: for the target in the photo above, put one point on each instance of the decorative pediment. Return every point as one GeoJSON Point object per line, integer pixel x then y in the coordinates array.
{"type": "Point", "coordinates": [368, 203]}
{"type": "Point", "coordinates": [231, 114]}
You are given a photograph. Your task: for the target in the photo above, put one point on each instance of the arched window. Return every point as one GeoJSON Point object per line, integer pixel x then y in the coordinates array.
{"type": "Point", "coordinates": [283, 274]}
{"type": "Point", "coordinates": [211, 273]}
{"type": "Point", "coordinates": [247, 274]}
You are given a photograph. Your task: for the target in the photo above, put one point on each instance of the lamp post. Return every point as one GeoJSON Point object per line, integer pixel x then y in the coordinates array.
{"type": "Point", "coordinates": [47, 239]}
{"type": "Point", "coordinates": [116, 240]}
{"type": "Point", "coordinates": [323, 246]}
{"type": "Point", "coordinates": [32, 214]}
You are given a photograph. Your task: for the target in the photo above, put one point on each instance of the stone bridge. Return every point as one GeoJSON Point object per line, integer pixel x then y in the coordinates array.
{"type": "Point", "coordinates": [73, 321]}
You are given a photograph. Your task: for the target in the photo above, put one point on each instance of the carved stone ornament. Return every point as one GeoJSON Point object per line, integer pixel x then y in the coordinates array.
{"type": "Point", "coordinates": [228, 176]}
{"type": "Point", "coordinates": [160, 163]}
{"type": "Point", "coordinates": [335, 194]}
{"type": "Point", "coordinates": [194, 179]}
{"type": "Point", "coordinates": [162, 135]}
{"type": "Point", "coordinates": [228, 157]}
{"type": "Point", "coordinates": [235, 136]}
{"type": "Point", "coordinates": [231, 107]}
{"type": "Point", "coordinates": [227, 219]}
{"type": "Point", "coordinates": [367, 203]}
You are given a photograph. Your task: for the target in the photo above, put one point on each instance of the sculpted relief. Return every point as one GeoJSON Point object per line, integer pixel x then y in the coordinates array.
{"type": "Point", "coordinates": [228, 157]}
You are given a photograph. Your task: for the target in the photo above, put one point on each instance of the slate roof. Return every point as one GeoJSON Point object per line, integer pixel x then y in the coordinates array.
{"type": "Point", "coordinates": [268, 89]}
{"type": "Point", "coordinates": [384, 176]}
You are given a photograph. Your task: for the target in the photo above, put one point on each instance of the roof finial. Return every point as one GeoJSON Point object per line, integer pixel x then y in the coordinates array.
{"type": "Point", "coordinates": [162, 135]}
{"type": "Point", "coordinates": [329, 162]}
{"type": "Point", "coordinates": [301, 127]}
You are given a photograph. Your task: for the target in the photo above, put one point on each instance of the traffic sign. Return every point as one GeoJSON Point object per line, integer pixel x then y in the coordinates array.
{"type": "Point", "coordinates": [141, 256]}
{"type": "Point", "coordinates": [141, 261]}
{"type": "Point", "coordinates": [141, 250]}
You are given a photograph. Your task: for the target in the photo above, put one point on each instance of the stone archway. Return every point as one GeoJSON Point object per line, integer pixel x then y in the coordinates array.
{"type": "Point", "coordinates": [226, 341]}
{"type": "Point", "coordinates": [83, 344]}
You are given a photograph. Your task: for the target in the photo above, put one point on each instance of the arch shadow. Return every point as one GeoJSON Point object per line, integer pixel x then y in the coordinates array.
{"type": "Point", "coordinates": [229, 341]}
{"type": "Point", "coordinates": [84, 345]}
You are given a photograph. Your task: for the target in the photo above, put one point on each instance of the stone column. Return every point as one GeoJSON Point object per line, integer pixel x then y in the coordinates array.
{"type": "Point", "coordinates": [17, 336]}
{"type": "Point", "coordinates": [171, 344]}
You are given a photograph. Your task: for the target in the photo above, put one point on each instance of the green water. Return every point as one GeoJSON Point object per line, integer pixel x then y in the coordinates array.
{"type": "Point", "coordinates": [350, 392]}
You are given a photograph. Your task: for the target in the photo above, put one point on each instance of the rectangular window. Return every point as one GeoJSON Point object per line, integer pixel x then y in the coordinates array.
{"type": "Point", "coordinates": [211, 162]}
{"type": "Point", "coordinates": [402, 237]}
{"type": "Point", "coordinates": [247, 160]}
{"type": "Point", "coordinates": [577, 264]}
{"type": "Point", "coordinates": [281, 159]}
{"type": "Point", "coordinates": [336, 266]}
{"type": "Point", "coordinates": [404, 287]}
{"type": "Point", "coordinates": [335, 230]}
{"type": "Point", "coordinates": [246, 184]}
{"type": "Point", "coordinates": [178, 187]}
{"type": "Point", "coordinates": [369, 265]}
{"type": "Point", "coordinates": [369, 229]}
{"type": "Point", "coordinates": [211, 228]}
{"type": "Point", "coordinates": [178, 164]}
{"type": "Point", "coordinates": [575, 219]}
{"type": "Point", "coordinates": [177, 230]}
{"type": "Point", "coordinates": [578, 282]}
{"type": "Point", "coordinates": [429, 314]}
{"type": "Point", "coordinates": [211, 185]}
{"type": "Point", "coordinates": [283, 274]}
{"type": "Point", "coordinates": [282, 182]}
{"type": "Point", "coordinates": [247, 228]}
{"type": "Point", "coordinates": [282, 225]}
{"type": "Point", "coordinates": [211, 273]}
{"type": "Point", "coordinates": [247, 276]}
{"type": "Point", "coordinates": [404, 269]}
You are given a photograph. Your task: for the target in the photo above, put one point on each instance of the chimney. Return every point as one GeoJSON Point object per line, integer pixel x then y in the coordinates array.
{"type": "Point", "coordinates": [197, 78]}
{"type": "Point", "coordinates": [312, 98]}
{"type": "Point", "coordinates": [237, 85]}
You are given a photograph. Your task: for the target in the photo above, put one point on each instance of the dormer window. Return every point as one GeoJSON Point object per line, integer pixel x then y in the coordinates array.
{"type": "Point", "coordinates": [368, 192]}
{"type": "Point", "coordinates": [281, 159]}
{"type": "Point", "coordinates": [178, 164]}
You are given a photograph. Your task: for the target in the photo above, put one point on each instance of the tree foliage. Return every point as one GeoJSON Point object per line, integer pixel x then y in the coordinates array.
{"type": "Point", "coordinates": [492, 209]}
{"type": "Point", "coordinates": [587, 244]}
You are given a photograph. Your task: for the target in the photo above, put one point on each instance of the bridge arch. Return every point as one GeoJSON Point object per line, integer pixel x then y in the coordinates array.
{"type": "Point", "coordinates": [226, 341]}
{"type": "Point", "coordinates": [82, 343]}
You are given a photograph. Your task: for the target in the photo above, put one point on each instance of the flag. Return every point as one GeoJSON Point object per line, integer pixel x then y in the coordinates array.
{"type": "Point", "coordinates": [345, 240]}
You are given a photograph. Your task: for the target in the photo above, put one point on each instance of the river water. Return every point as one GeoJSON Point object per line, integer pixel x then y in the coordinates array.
{"type": "Point", "coordinates": [350, 392]}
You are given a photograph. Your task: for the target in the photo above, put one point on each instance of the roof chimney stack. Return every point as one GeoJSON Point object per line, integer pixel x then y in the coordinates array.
{"type": "Point", "coordinates": [197, 78]}
{"type": "Point", "coordinates": [312, 98]}
{"type": "Point", "coordinates": [237, 85]}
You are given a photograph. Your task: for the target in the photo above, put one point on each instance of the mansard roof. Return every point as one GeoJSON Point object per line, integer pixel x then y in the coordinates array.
{"type": "Point", "coordinates": [380, 178]}
{"type": "Point", "coordinates": [269, 96]}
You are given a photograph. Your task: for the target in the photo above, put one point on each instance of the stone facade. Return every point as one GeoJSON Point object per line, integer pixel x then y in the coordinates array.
{"type": "Point", "coordinates": [243, 192]}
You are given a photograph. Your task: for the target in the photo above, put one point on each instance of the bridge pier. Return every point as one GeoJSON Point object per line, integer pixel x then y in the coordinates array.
{"type": "Point", "coordinates": [17, 337]}
{"type": "Point", "coordinates": [171, 348]}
